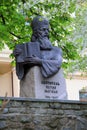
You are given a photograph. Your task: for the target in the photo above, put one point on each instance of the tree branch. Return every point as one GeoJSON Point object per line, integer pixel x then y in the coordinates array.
{"type": "Point", "coordinates": [3, 19]}
{"type": "Point", "coordinates": [15, 35]}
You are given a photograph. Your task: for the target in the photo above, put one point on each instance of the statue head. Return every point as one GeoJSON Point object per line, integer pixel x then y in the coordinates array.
{"type": "Point", "coordinates": [40, 27]}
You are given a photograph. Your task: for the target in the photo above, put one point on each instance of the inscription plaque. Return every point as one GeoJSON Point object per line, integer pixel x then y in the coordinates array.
{"type": "Point", "coordinates": [44, 88]}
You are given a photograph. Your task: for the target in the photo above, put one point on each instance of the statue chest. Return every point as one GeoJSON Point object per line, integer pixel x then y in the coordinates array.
{"type": "Point", "coordinates": [48, 54]}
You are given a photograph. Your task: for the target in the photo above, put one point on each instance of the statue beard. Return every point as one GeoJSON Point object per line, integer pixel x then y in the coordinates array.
{"type": "Point", "coordinates": [45, 43]}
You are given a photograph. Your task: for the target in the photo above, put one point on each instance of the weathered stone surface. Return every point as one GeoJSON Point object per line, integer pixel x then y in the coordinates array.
{"type": "Point", "coordinates": [3, 125]}
{"type": "Point", "coordinates": [17, 110]}
{"type": "Point", "coordinates": [32, 114]}
{"type": "Point", "coordinates": [36, 86]}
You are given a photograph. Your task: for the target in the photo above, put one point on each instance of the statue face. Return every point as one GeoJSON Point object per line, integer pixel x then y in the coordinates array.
{"type": "Point", "coordinates": [43, 31]}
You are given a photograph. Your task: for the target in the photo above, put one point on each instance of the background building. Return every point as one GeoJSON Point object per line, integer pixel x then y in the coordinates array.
{"type": "Point", "coordinates": [8, 80]}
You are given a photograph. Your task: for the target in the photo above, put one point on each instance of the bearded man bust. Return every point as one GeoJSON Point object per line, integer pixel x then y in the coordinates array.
{"type": "Point", "coordinates": [38, 52]}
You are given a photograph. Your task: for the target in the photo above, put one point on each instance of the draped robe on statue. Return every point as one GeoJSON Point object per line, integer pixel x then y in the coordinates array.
{"type": "Point", "coordinates": [51, 61]}
{"type": "Point", "coordinates": [51, 58]}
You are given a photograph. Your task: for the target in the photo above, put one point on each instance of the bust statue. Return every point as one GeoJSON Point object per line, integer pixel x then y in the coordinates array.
{"type": "Point", "coordinates": [38, 52]}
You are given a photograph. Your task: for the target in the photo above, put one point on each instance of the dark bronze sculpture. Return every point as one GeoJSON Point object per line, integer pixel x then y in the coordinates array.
{"type": "Point", "coordinates": [38, 52]}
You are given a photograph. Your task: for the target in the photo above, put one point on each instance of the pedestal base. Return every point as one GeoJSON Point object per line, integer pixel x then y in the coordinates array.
{"type": "Point", "coordinates": [34, 85]}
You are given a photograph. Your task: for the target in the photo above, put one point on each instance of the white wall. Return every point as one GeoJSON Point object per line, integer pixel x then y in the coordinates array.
{"type": "Point", "coordinates": [73, 87]}
{"type": "Point", "coordinates": [6, 84]}
{"type": "Point", "coordinates": [16, 84]}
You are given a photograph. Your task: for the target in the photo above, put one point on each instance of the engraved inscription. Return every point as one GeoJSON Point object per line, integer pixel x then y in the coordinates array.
{"type": "Point", "coordinates": [50, 89]}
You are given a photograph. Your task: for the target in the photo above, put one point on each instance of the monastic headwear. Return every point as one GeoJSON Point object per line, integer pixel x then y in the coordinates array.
{"type": "Point", "coordinates": [38, 22]}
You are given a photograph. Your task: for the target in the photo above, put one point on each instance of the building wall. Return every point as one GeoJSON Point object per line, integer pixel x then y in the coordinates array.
{"type": "Point", "coordinates": [16, 84]}
{"type": "Point", "coordinates": [9, 82]}
{"type": "Point", "coordinates": [74, 86]}
{"type": "Point", "coordinates": [6, 84]}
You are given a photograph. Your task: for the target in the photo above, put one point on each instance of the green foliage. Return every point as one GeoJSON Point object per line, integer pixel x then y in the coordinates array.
{"type": "Point", "coordinates": [0, 102]}
{"type": "Point", "coordinates": [15, 25]}
{"type": "Point", "coordinates": [79, 37]}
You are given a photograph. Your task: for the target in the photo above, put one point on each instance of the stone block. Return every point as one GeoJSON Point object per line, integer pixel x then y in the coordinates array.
{"type": "Point", "coordinates": [34, 85]}
{"type": "Point", "coordinates": [3, 125]}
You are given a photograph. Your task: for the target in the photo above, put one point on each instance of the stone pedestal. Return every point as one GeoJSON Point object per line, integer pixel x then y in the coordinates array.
{"type": "Point", "coordinates": [34, 85]}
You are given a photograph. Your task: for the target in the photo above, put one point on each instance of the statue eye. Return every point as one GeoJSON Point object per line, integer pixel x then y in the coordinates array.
{"type": "Point", "coordinates": [44, 29]}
